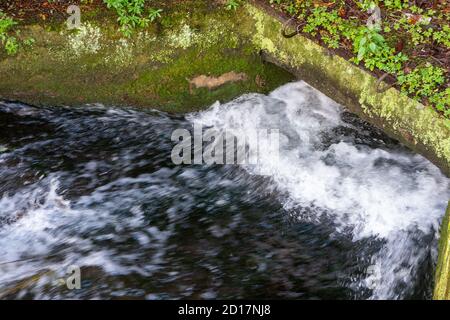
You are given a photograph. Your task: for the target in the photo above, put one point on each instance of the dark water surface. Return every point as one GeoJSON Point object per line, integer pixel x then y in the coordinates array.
{"type": "Point", "coordinates": [344, 213]}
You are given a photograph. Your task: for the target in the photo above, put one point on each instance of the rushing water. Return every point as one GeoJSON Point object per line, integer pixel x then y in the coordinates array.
{"type": "Point", "coordinates": [344, 212]}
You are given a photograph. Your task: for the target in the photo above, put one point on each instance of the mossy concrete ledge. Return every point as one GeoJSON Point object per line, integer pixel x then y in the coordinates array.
{"type": "Point", "coordinates": [420, 128]}
{"type": "Point", "coordinates": [152, 68]}
{"type": "Point", "coordinates": [442, 279]}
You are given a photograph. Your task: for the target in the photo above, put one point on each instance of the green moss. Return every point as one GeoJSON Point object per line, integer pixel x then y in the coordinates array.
{"type": "Point", "coordinates": [442, 279]}
{"type": "Point", "coordinates": [420, 127]}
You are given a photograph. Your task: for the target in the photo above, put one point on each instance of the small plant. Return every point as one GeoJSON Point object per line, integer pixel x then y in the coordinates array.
{"type": "Point", "coordinates": [407, 32]}
{"type": "Point", "coordinates": [232, 4]}
{"type": "Point", "coordinates": [368, 43]}
{"type": "Point", "coordinates": [442, 102]}
{"type": "Point", "coordinates": [328, 24]}
{"type": "Point", "coordinates": [371, 47]}
{"type": "Point", "coordinates": [396, 4]}
{"type": "Point", "coordinates": [443, 36]}
{"type": "Point", "coordinates": [11, 46]}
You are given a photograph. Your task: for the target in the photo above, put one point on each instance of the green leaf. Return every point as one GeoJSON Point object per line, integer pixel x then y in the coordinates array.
{"type": "Point", "coordinates": [378, 37]}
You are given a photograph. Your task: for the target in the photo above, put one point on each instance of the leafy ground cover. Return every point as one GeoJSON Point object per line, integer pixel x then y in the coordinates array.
{"type": "Point", "coordinates": [406, 41]}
